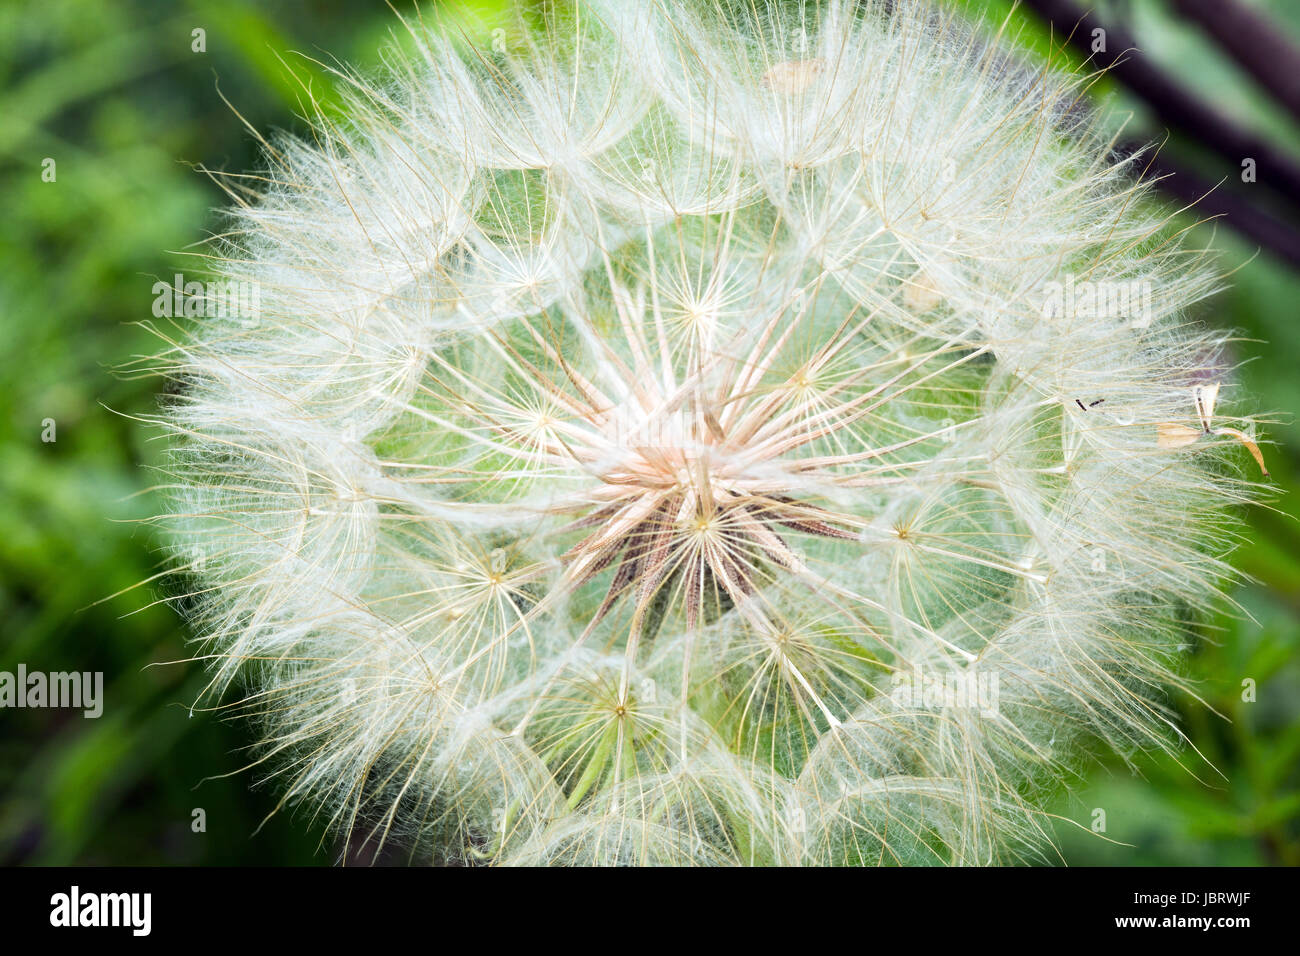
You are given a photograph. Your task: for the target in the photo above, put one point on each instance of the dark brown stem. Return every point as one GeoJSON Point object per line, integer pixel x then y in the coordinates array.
{"type": "Point", "coordinates": [1216, 200]}
{"type": "Point", "coordinates": [1172, 103]}
{"type": "Point", "coordinates": [1256, 43]}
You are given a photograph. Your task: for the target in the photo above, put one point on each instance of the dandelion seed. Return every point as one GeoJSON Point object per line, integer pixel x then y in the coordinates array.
{"type": "Point", "coordinates": [1170, 435]}
{"type": "Point", "coordinates": [920, 294]}
{"type": "Point", "coordinates": [793, 76]}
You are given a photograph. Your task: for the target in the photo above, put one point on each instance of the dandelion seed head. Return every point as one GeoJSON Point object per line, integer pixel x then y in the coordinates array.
{"type": "Point", "coordinates": [651, 419]}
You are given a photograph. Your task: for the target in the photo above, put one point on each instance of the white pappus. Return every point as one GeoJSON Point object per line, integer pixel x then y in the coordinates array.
{"type": "Point", "coordinates": [653, 424]}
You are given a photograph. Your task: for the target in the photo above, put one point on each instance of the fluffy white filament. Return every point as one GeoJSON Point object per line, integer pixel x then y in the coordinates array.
{"type": "Point", "coordinates": [651, 414]}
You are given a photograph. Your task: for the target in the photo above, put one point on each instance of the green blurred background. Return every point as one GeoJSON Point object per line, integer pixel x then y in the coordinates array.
{"type": "Point", "coordinates": [113, 92]}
